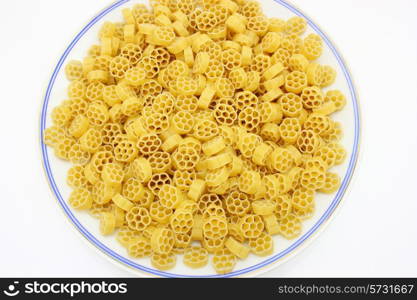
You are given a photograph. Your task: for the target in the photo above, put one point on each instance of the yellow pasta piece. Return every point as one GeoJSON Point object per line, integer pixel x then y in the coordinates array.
{"type": "Point", "coordinates": [81, 198]}
{"type": "Point", "coordinates": [162, 240]}
{"type": "Point", "coordinates": [197, 230]}
{"type": "Point", "coordinates": [182, 221]}
{"type": "Point", "coordinates": [262, 245]}
{"type": "Point", "coordinates": [216, 177]}
{"type": "Point", "coordinates": [331, 183]}
{"type": "Point", "coordinates": [112, 174]}
{"type": "Point", "coordinates": [263, 207]}
{"type": "Point", "coordinates": [249, 182]}
{"type": "Point", "coordinates": [196, 257]}
{"type": "Point", "coordinates": [278, 81]}
{"type": "Point", "coordinates": [312, 47]}
{"type": "Point", "coordinates": [163, 262]}
{"type": "Point", "coordinates": [76, 178]}
{"type": "Point", "coordinates": [218, 161]}
{"type": "Point", "coordinates": [171, 143]}
{"type": "Point", "coordinates": [125, 236]}
{"type": "Point", "coordinates": [142, 169]}
{"type": "Point", "coordinates": [183, 179]}
{"type": "Point", "coordinates": [295, 82]}
{"type": "Point", "coordinates": [107, 223]}
{"type": "Point", "coordinates": [236, 23]}
{"type": "Point", "coordinates": [224, 261]}
{"type": "Point", "coordinates": [213, 146]}
{"type": "Point", "coordinates": [170, 196]}
{"type": "Point", "coordinates": [197, 188]}
{"type": "Point", "coordinates": [271, 224]}
{"type": "Point", "coordinates": [237, 248]}
{"type": "Point", "coordinates": [139, 247]}
{"type": "Point", "coordinates": [214, 227]}
{"type": "Point", "coordinates": [336, 97]}
{"type": "Point", "coordinates": [199, 122]}
{"type": "Point", "coordinates": [246, 56]}
{"type": "Point", "coordinates": [273, 71]}
{"type": "Point", "coordinates": [74, 70]}
{"type": "Point", "coordinates": [270, 132]}
{"type": "Point", "coordinates": [290, 226]}
{"type": "Point", "coordinates": [295, 25]}
{"type": "Point", "coordinates": [163, 20]}
{"type": "Point", "coordinates": [237, 203]}
{"type": "Point", "coordinates": [134, 191]}
{"type": "Point", "coordinates": [261, 154]}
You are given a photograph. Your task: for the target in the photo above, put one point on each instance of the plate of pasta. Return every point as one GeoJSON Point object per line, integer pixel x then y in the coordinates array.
{"type": "Point", "coordinates": [208, 138]}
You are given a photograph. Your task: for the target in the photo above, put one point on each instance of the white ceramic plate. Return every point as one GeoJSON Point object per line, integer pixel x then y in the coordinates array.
{"type": "Point", "coordinates": [56, 169]}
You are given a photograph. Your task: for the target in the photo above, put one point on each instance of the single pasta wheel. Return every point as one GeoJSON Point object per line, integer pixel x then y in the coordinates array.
{"type": "Point", "coordinates": [142, 169]}
{"type": "Point", "coordinates": [215, 227]}
{"type": "Point", "coordinates": [160, 161]}
{"type": "Point", "coordinates": [307, 141]}
{"type": "Point", "coordinates": [331, 183]}
{"type": "Point", "coordinates": [149, 143]}
{"type": "Point", "coordinates": [214, 210]}
{"type": "Point", "coordinates": [163, 262]}
{"type": "Point", "coordinates": [245, 99]}
{"type": "Point", "coordinates": [312, 47]}
{"type": "Point", "coordinates": [162, 240]}
{"type": "Point", "coordinates": [237, 248]}
{"type": "Point", "coordinates": [224, 261]}
{"type": "Point", "coordinates": [159, 213]}
{"type": "Point", "coordinates": [107, 223]}
{"type": "Point", "coordinates": [271, 224]}
{"type": "Point", "coordinates": [247, 143]}
{"type": "Point", "coordinates": [182, 221]}
{"type": "Point", "coordinates": [312, 97]}
{"type": "Point", "coordinates": [251, 226]}
{"type": "Point", "coordinates": [263, 207]}
{"type": "Point", "coordinates": [81, 198]}
{"type": "Point", "coordinates": [284, 206]}
{"type": "Point", "coordinates": [112, 174]}
{"type": "Point", "coordinates": [328, 155]}
{"type": "Point", "coordinates": [249, 118]}
{"type": "Point", "coordinates": [339, 150]}
{"type": "Point", "coordinates": [182, 241]}
{"type": "Point", "coordinates": [76, 177]}
{"type": "Point", "coordinates": [336, 97]}
{"type": "Point", "coordinates": [281, 160]}
{"type": "Point", "coordinates": [125, 235]}
{"type": "Point", "coordinates": [157, 181]}
{"type": "Point", "coordinates": [238, 203]}
{"type": "Point", "coordinates": [196, 257]}
{"type": "Point", "coordinates": [314, 73]}
{"type": "Point", "coordinates": [290, 226]}
{"type": "Point", "coordinates": [122, 202]}
{"type": "Point", "coordinates": [295, 82]}
{"type": "Point", "coordinates": [170, 196]}
{"type": "Point", "coordinates": [290, 129]}
{"type": "Point", "coordinates": [295, 25]}
{"type": "Point", "coordinates": [138, 218]}
{"type": "Point", "coordinates": [139, 247]}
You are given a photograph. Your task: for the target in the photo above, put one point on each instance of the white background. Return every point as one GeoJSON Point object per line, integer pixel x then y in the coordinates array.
{"type": "Point", "coordinates": [374, 232]}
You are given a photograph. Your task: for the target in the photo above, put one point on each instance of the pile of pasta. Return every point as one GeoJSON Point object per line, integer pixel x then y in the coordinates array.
{"type": "Point", "coordinates": [199, 128]}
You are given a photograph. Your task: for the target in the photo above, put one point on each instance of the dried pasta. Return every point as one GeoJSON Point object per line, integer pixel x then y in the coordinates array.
{"type": "Point", "coordinates": [200, 122]}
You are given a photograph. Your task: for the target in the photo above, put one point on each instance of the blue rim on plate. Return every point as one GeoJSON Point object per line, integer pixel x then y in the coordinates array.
{"type": "Point", "coordinates": [296, 244]}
